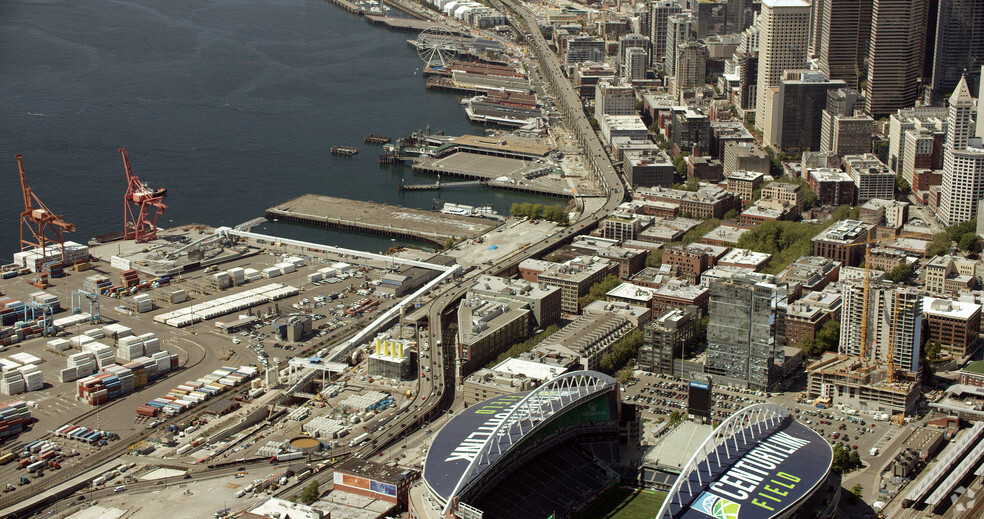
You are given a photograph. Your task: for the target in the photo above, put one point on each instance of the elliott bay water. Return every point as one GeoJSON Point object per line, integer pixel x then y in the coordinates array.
{"type": "Point", "coordinates": [232, 105]}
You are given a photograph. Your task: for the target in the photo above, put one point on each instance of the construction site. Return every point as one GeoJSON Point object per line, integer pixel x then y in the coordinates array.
{"type": "Point", "coordinates": [876, 368]}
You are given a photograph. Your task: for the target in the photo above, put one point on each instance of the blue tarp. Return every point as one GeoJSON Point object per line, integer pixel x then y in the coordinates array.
{"type": "Point", "coordinates": [493, 247]}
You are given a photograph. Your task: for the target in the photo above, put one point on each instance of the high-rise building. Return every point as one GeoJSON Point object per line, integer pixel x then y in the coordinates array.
{"type": "Point", "coordinates": [844, 28]}
{"type": "Point", "coordinates": [960, 117]}
{"type": "Point", "coordinates": [980, 106]}
{"type": "Point", "coordinates": [959, 46]}
{"type": "Point", "coordinates": [679, 30]}
{"type": "Point", "coordinates": [691, 67]}
{"type": "Point", "coordinates": [742, 341]}
{"type": "Point", "coordinates": [922, 150]}
{"type": "Point", "coordinates": [580, 49]}
{"type": "Point", "coordinates": [691, 130]}
{"type": "Point", "coordinates": [894, 317]}
{"type": "Point", "coordinates": [843, 131]}
{"type": "Point", "coordinates": [636, 63]}
{"type": "Point", "coordinates": [793, 117]}
{"type": "Point", "coordinates": [816, 17]}
{"type": "Point", "coordinates": [660, 12]}
{"type": "Point", "coordinates": [631, 41]}
{"type": "Point", "coordinates": [614, 99]}
{"type": "Point", "coordinates": [895, 55]}
{"type": "Point", "coordinates": [784, 33]}
{"type": "Point", "coordinates": [963, 160]}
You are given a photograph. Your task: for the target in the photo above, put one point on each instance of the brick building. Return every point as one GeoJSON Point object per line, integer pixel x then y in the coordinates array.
{"type": "Point", "coordinates": [840, 242]}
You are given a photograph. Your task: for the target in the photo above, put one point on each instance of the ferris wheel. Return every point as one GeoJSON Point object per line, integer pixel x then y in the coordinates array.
{"type": "Point", "coordinates": [436, 46]}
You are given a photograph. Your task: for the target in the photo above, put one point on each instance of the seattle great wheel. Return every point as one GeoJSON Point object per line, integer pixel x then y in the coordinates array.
{"type": "Point", "coordinates": [437, 46]}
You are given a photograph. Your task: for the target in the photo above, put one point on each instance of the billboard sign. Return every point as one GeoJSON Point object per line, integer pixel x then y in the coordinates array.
{"type": "Point", "coordinates": [371, 485]}
{"type": "Point", "coordinates": [773, 475]}
{"type": "Point", "coordinates": [382, 488]}
{"type": "Point", "coordinates": [349, 480]}
{"type": "Point", "coordinates": [699, 401]}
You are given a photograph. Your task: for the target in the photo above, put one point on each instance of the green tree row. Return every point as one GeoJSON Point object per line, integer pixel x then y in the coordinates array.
{"type": "Point", "coordinates": [553, 213]}
{"type": "Point", "coordinates": [516, 349]}
{"type": "Point", "coordinates": [598, 290]}
{"type": "Point", "coordinates": [785, 241]}
{"type": "Point", "coordinates": [623, 352]}
{"type": "Point", "coordinates": [310, 493]}
{"type": "Point", "coordinates": [826, 339]}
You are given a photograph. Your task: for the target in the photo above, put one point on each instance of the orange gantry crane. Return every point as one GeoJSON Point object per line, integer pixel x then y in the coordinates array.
{"type": "Point", "coordinates": [37, 222]}
{"type": "Point", "coordinates": [141, 206]}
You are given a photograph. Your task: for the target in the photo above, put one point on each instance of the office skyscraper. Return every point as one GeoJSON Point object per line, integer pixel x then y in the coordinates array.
{"type": "Point", "coordinates": [844, 28]}
{"type": "Point", "coordinates": [784, 34]}
{"type": "Point", "coordinates": [895, 55]}
{"type": "Point", "coordinates": [660, 12]}
{"type": "Point", "coordinates": [959, 45]}
{"type": "Point", "coordinates": [679, 30]}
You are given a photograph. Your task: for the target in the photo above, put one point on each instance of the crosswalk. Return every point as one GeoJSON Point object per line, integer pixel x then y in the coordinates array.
{"type": "Point", "coordinates": [53, 405]}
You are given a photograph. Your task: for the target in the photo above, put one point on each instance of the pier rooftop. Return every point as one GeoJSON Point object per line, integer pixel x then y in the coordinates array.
{"type": "Point", "coordinates": [405, 24]}
{"type": "Point", "coordinates": [329, 211]}
{"type": "Point", "coordinates": [505, 145]}
{"type": "Point", "coordinates": [500, 172]}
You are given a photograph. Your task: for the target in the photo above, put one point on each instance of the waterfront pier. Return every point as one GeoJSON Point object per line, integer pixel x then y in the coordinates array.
{"type": "Point", "coordinates": [391, 220]}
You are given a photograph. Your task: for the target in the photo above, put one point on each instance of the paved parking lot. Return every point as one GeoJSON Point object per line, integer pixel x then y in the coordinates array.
{"type": "Point", "coordinates": [659, 396]}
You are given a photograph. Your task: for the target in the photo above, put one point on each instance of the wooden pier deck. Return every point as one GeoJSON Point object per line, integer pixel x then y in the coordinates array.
{"type": "Point", "coordinates": [391, 220]}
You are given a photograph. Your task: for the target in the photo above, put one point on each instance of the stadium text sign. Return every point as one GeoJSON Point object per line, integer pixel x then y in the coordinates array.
{"type": "Point", "coordinates": [762, 482]}
{"type": "Point", "coordinates": [499, 408]}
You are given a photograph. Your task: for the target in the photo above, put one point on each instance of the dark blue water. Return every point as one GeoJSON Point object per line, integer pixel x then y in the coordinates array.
{"type": "Point", "coordinates": [231, 105]}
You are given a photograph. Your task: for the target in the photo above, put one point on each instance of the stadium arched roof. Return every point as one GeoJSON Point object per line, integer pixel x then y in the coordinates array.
{"type": "Point", "coordinates": [757, 464]}
{"type": "Point", "coordinates": [478, 437]}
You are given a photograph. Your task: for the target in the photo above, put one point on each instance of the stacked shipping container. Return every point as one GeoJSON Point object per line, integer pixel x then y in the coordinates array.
{"type": "Point", "coordinates": [116, 381]}
{"type": "Point", "coordinates": [192, 393]}
{"type": "Point", "coordinates": [14, 417]}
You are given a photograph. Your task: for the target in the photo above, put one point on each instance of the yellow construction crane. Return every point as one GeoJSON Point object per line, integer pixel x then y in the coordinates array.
{"type": "Point", "coordinates": [867, 285]}
{"type": "Point", "coordinates": [890, 354]}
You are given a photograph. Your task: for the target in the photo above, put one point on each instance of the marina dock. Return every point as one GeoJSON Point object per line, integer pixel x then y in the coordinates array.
{"type": "Point", "coordinates": [391, 220]}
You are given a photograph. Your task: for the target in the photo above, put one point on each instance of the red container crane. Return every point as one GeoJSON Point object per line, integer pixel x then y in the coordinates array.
{"type": "Point", "coordinates": [37, 222]}
{"type": "Point", "coordinates": [141, 205]}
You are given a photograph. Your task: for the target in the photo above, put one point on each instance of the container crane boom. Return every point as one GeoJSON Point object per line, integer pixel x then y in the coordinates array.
{"type": "Point", "coordinates": [37, 221]}
{"type": "Point", "coordinates": [141, 206]}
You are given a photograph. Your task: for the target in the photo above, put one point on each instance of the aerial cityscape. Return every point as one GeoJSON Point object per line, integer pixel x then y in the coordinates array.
{"type": "Point", "coordinates": [483, 259]}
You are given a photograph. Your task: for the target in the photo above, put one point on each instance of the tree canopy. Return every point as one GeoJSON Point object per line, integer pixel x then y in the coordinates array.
{"type": "Point", "coordinates": [553, 213]}
{"type": "Point", "coordinates": [516, 349]}
{"type": "Point", "coordinates": [598, 290]}
{"type": "Point", "coordinates": [825, 339]}
{"type": "Point", "coordinates": [785, 241]}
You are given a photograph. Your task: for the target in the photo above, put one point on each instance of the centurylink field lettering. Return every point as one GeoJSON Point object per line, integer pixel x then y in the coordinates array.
{"type": "Point", "coordinates": [499, 409]}
{"type": "Point", "coordinates": [753, 480]}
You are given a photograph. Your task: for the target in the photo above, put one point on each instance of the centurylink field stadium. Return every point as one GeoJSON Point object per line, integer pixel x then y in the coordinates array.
{"type": "Point", "coordinates": [550, 452]}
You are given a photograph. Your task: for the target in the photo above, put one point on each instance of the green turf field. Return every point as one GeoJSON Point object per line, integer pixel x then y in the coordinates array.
{"type": "Point", "coordinates": [624, 503]}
